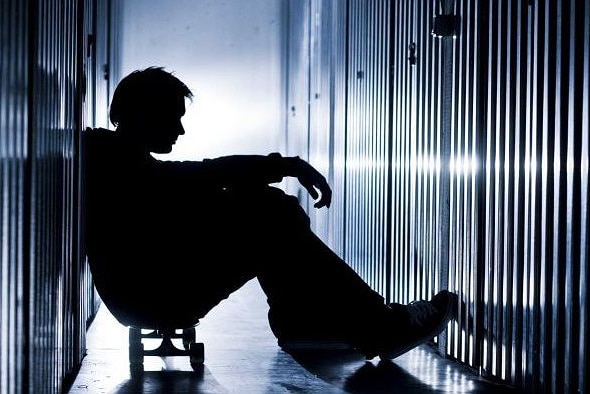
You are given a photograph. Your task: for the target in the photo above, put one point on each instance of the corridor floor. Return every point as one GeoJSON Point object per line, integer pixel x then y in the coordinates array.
{"type": "Point", "coordinates": [241, 356]}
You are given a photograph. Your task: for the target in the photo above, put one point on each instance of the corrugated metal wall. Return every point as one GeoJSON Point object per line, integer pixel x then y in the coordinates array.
{"type": "Point", "coordinates": [54, 260]}
{"type": "Point", "coordinates": [327, 95]}
{"type": "Point", "coordinates": [347, 128]}
{"type": "Point", "coordinates": [466, 270]}
{"type": "Point", "coordinates": [535, 241]}
{"type": "Point", "coordinates": [298, 68]}
{"type": "Point", "coordinates": [14, 123]}
{"type": "Point", "coordinates": [367, 142]}
{"type": "Point", "coordinates": [419, 187]}
{"type": "Point", "coordinates": [469, 153]}
{"type": "Point", "coordinates": [320, 99]}
{"type": "Point", "coordinates": [46, 291]}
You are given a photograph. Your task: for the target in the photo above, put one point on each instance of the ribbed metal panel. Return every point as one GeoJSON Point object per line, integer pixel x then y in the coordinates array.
{"type": "Point", "coordinates": [339, 121]}
{"type": "Point", "coordinates": [321, 130]}
{"type": "Point", "coordinates": [420, 143]}
{"type": "Point", "coordinates": [487, 192]}
{"type": "Point", "coordinates": [54, 258]}
{"type": "Point", "coordinates": [508, 136]}
{"type": "Point", "coordinates": [462, 162]}
{"type": "Point", "coordinates": [516, 171]}
{"type": "Point", "coordinates": [536, 195]}
{"type": "Point", "coordinates": [98, 60]}
{"type": "Point", "coordinates": [316, 126]}
{"type": "Point", "coordinates": [46, 291]}
{"type": "Point", "coordinates": [416, 141]}
{"type": "Point", "coordinates": [327, 122]}
{"type": "Point", "coordinates": [583, 370]}
{"type": "Point", "coordinates": [338, 115]}
{"type": "Point", "coordinates": [13, 190]}
{"type": "Point", "coordinates": [298, 86]}
{"type": "Point", "coordinates": [367, 144]}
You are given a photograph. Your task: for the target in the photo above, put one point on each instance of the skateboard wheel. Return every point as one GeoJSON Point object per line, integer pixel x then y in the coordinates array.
{"type": "Point", "coordinates": [188, 337]}
{"type": "Point", "coordinates": [197, 354]}
{"type": "Point", "coordinates": [136, 370]}
{"type": "Point", "coordinates": [134, 335]}
{"type": "Point", "coordinates": [136, 354]}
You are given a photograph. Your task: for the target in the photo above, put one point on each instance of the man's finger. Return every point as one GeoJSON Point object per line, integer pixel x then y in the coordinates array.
{"type": "Point", "coordinates": [325, 199]}
{"type": "Point", "coordinates": [312, 191]}
{"type": "Point", "coordinates": [326, 193]}
{"type": "Point", "coordinates": [321, 203]}
{"type": "Point", "coordinates": [328, 197]}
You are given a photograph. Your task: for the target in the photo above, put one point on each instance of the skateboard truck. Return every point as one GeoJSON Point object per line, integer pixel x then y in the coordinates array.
{"type": "Point", "coordinates": [191, 348]}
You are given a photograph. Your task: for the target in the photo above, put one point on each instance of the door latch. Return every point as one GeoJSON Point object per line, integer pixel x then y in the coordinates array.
{"type": "Point", "coordinates": [445, 25]}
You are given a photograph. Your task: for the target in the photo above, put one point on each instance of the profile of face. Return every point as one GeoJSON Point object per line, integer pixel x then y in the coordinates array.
{"type": "Point", "coordinates": [156, 126]}
{"type": "Point", "coordinates": [159, 124]}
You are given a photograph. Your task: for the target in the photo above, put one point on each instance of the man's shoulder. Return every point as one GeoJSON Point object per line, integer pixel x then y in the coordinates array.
{"type": "Point", "coordinates": [96, 132]}
{"type": "Point", "coordinates": [98, 137]}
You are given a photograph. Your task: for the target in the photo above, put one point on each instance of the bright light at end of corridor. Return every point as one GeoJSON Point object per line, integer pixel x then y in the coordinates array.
{"type": "Point", "coordinates": [219, 122]}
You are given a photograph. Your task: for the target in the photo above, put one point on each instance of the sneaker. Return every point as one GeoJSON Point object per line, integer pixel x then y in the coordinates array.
{"type": "Point", "coordinates": [427, 319]}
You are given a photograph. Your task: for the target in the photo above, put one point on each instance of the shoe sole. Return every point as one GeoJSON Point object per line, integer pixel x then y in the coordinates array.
{"type": "Point", "coordinates": [390, 355]}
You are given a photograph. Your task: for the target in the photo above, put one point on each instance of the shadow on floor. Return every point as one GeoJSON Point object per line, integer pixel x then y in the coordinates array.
{"type": "Point", "coordinates": [385, 377]}
{"type": "Point", "coordinates": [346, 369]}
{"type": "Point", "coordinates": [242, 357]}
{"type": "Point", "coordinates": [197, 381]}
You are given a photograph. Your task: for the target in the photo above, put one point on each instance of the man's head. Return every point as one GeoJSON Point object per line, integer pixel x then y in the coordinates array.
{"type": "Point", "coordinates": [147, 106]}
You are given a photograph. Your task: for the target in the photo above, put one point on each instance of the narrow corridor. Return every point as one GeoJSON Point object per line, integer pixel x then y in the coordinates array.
{"type": "Point", "coordinates": [455, 136]}
{"type": "Point", "coordinates": [241, 356]}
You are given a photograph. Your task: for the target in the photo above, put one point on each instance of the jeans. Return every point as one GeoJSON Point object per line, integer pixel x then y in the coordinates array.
{"type": "Point", "coordinates": [205, 250]}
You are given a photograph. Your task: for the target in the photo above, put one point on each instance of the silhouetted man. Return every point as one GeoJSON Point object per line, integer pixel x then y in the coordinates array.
{"type": "Point", "coordinates": [167, 241]}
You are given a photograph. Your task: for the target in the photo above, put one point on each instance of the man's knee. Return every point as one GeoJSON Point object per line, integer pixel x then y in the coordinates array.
{"type": "Point", "coordinates": [270, 204]}
{"type": "Point", "coordinates": [284, 205]}
{"type": "Point", "coordinates": [277, 196]}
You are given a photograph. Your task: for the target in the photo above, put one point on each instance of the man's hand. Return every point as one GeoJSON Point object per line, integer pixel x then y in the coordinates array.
{"type": "Point", "coordinates": [311, 180]}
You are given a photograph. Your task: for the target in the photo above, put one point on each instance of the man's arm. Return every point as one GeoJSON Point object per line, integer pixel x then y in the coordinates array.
{"type": "Point", "coordinates": [245, 170]}
{"type": "Point", "coordinates": [310, 179]}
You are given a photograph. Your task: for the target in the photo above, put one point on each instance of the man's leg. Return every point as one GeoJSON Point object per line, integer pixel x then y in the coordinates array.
{"type": "Point", "coordinates": [312, 293]}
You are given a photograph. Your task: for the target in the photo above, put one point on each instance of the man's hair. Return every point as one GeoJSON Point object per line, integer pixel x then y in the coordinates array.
{"type": "Point", "coordinates": [143, 88]}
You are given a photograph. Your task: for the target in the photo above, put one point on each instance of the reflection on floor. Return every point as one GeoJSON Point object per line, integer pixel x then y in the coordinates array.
{"type": "Point", "coordinates": [241, 356]}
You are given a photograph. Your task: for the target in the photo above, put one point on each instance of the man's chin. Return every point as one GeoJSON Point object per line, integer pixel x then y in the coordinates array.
{"type": "Point", "coordinates": [161, 149]}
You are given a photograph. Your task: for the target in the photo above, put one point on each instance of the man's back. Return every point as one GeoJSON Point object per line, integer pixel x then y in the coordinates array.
{"type": "Point", "coordinates": [126, 216]}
